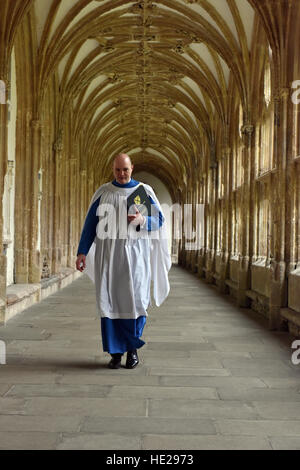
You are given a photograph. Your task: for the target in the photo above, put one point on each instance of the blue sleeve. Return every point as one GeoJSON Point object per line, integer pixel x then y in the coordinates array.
{"type": "Point", "coordinates": [89, 230]}
{"type": "Point", "coordinates": [156, 220]}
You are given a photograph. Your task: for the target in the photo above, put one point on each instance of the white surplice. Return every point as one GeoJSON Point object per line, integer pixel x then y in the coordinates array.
{"type": "Point", "coordinates": [123, 268]}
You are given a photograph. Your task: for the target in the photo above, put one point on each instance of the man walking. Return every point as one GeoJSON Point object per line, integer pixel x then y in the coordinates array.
{"type": "Point", "coordinates": [122, 259]}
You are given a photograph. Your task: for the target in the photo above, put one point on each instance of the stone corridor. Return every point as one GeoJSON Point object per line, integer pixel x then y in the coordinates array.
{"type": "Point", "coordinates": [212, 376]}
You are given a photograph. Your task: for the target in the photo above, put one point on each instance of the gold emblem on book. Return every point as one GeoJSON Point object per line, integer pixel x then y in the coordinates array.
{"type": "Point", "coordinates": [137, 200]}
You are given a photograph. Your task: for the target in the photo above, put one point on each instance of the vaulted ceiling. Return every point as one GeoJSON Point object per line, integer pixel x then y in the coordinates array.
{"type": "Point", "coordinates": [145, 77]}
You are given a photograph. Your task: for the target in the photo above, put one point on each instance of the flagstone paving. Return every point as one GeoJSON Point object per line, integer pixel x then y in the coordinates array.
{"type": "Point", "coordinates": [211, 376]}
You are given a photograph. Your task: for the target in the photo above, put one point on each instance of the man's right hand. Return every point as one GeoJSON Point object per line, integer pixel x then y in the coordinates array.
{"type": "Point", "coordinates": [80, 262]}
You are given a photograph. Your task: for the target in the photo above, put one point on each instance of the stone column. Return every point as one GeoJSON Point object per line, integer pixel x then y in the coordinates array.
{"type": "Point", "coordinates": [244, 275]}
{"type": "Point", "coordinates": [23, 198]}
{"type": "Point", "coordinates": [34, 255]}
{"type": "Point", "coordinates": [57, 239]}
{"type": "Point", "coordinates": [83, 196]}
{"type": "Point", "coordinates": [47, 202]}
{"type": "Point", "coordinates": [90, 186]}
{"type": "Point", "coordinates": [83, 204]}
{"type": "Point", "coordinates": [176, 228]}
{"type": "Point", "coordinates": [3, 170]}
{"type": "Point", "coordinates": [224, 268]}
{"type": "Point", "coordinates": [201, 252]}
{"type": "Point", "coordinates": [183, 234]}
{"type": "Point", "coordinates": [211, 249]}
{"type": "Point", "coordinates": [72, 213]}
{"type": "Point", "coordinates": [194, 257]}
{"type": "Point", "coordinates": [278, 288]}
{"type": "Point", "coordinates": [189, 227]}
{"type": "Point", "coordinates": [181, 249]}
{"type": "Point", "coordinates": [65, 210]}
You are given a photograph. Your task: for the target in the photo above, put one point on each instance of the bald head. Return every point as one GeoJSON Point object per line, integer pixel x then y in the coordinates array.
{"type": "Point", "coordinates": [122, 157]}
{"type": "Point", "coordinates": [122, 168]}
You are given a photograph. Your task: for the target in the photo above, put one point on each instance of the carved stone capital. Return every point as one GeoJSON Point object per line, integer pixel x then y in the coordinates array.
{"type": "Point", "coordinates": [58, 144]}
{"type": "Point", "coordinates": [247, 132]}
{"type": "Point", "coordinates": [35, 124]}
{"type": "Point", "coordinates": [247, 129]}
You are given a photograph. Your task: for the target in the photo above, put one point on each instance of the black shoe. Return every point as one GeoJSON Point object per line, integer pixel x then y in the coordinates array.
{"type": "Point", "coordinates": [132, 359]}
{"type": "Point", "coordinates": [115, 362]}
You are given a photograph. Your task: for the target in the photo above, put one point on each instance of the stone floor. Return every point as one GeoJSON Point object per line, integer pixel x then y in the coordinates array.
{"type": "Point", "coordinates": [211, 377]}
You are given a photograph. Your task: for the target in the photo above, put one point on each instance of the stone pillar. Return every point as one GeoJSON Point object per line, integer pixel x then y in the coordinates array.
{"type": "Point", "coordinates": [244, 274]}
{"type": "Point", "coordinates": [57, 238]}
{"type": "Point", "coordinates": [81, 194]}
{"type": "Point", "coordinates": [201, 252]}
{"type": "Point", "coordinates": [194, 257]}
{"type": "Point", "coordinates": [3, 170]}
{"type": "Point", "coordinates": [22, 199]}
{"type": "Point", "coordinates": [176, 228]}
{"type": "Point", "coordinates": [182, 252]}
{"type": "Point", "coordinates": [224, 267]}
{"type": "Point", "coordinates": [83, 197]}
{"type": "Point", "coordinates": [46, 202]}
{"type": "Point", "coordinates": [72, 213]}
{"type": "Point", "coordinates": [34, 255]}
{"type": "Point", "coordinates": [90, 185]}
{"type": "Point", "coordinates": [65, 210]}
{"type": "Point", "coordinates": [189, 227]}
{"type": "Point", "coordinates": [182, 239]}
{"type": "Point", "coordinates": [211, 249]}
{"type": "Point", "coordinates": [278, 288]}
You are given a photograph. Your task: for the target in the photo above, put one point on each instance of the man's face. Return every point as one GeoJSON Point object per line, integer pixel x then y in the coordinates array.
{"type": "Point", "coordinates": [122, 169]}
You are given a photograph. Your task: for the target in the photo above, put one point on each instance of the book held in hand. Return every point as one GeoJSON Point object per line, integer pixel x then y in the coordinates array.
{"type": "Point", "coordinates": [139, 198]}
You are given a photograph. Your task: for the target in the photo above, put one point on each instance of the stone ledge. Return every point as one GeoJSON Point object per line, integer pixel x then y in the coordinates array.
{"type": "Point", "coordinates": [231, 284]}
{"type": "Point", "coordinates": [252, 294]}
{"type": "Point", "coordinates": [260, 263]}
{"type": "Point", "coordinates": [261, 278]}
{"type": "Point", "coordinates": [18, 292]}
{"type": "Point", "coordinates": [21, 296]}
{"type": "Point", "coordinates": [259, 302]}
{"type": "Point", "coordinates": [292, 317]}
{"type": "Point", "coordinates": [217, 276]}
{"type": "Point", "coordinates": [233, 288]}
{"type": "Point", "coordinates": [58, 281]}
{"type": "Point", "coordinates": [293, 290]}
{"type": "Point", "coordinates": [49, 281]}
